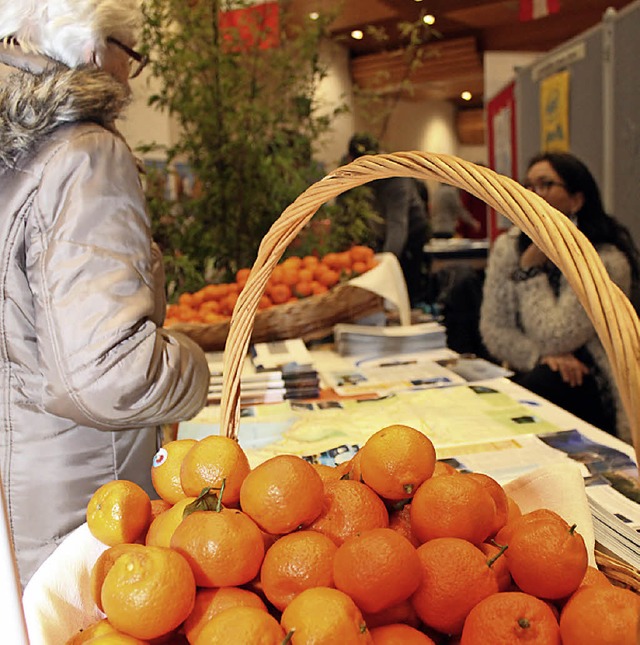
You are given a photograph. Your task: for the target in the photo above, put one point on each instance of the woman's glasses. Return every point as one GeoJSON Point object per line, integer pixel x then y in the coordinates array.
{"type": "Point", "coordinates": [139, 58]}
{"type": "Point", "coordinates": [543, 186]}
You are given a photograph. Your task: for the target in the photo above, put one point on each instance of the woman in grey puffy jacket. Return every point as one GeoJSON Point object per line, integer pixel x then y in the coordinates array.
{"type": "Point", "coordinates": [530, 316]}
{"type": "Point", "coordinates": [87, 371]}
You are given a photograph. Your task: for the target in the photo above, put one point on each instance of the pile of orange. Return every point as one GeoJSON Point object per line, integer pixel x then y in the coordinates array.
{"type": "Point", "coordinates": [391, 547]}
{"type": "Point", "coordinates": [292, 279]}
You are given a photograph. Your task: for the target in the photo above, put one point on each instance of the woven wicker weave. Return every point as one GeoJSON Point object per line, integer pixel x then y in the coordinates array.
{"type": "Point", "coordinates": [608, 308]}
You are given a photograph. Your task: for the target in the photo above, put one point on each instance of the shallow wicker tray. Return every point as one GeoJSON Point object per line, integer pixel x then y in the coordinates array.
{"type": "Point", "coordinates": [309, 318]}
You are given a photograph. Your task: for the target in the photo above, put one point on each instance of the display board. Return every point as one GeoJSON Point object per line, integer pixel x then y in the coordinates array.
{"type": "Point", "coordinates": [603, 107]}
{"type": "Point", "coordinates": [626, 118]}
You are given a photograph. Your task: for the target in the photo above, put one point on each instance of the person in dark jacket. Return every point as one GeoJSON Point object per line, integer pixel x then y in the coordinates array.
{"type": "Point", "coordinates": [88, 373]}
{"type": "Point", "coordinates": [403, 213]}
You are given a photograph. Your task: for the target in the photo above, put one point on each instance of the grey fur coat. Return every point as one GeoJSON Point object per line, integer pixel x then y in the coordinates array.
{"type": "Point", "coordinates": [521, 322]}
{"type": "Point", "coordinates": [86, 371]}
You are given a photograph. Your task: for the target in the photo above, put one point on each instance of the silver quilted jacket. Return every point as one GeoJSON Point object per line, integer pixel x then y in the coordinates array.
{"type": "Point", "coordinates": [86, 371]}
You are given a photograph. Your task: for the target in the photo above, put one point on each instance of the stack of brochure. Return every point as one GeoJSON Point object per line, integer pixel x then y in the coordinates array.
{"type": "Point", "coordinates": [359, 340]}
{"type": "Point", "coordinates": [271, 386]}
{"type": "Point", "coordinates": [617, 533]}
{"type": "Point", "coordinates": [274, 372]}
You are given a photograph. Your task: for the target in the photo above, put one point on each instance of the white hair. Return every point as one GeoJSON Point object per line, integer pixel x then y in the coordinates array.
{"type": "Point", "coordinates": [69, 31]}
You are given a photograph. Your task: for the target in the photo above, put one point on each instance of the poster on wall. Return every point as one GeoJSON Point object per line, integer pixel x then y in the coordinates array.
{"type": "Point", "coordinates": [554, 112]}
{"type": "Point", "coordinates": [501, 126]}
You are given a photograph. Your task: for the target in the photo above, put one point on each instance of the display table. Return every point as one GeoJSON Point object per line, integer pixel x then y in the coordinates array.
{"type": "Point", "coordinates": [445, 253]}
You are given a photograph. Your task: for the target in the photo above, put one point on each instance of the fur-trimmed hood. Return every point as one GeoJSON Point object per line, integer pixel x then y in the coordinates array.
{"type": "Point", "coordinates": [33, 103]}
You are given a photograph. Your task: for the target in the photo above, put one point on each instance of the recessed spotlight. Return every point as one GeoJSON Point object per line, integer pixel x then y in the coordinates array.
{"type": "Point", "coordinates": [314, 15]}
{"type": "Point", "coordinates": [418, 0]}
{"type": "Point", "coordinates": [356, 34]}
{"type": "Point", "coordinates": [466, 96]}
{"type": "Point", "coordinates": [428, 19]}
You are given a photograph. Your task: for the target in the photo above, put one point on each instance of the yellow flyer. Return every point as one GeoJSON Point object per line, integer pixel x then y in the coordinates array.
{"type": "Point", "coordinates": [554, 112]}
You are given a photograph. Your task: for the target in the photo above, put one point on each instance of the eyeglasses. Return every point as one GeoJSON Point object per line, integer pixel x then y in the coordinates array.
{"type": "Point", "coordinates": [140, 59]}
{"type": "Point", "coordinates": [542, 186]}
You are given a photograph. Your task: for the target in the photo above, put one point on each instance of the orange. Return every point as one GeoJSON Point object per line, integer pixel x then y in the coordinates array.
{"type": "Point", "coordinates": [513, 510]}
{"type": "Point", "coordinates": [210, 462]}
{"type": "Point", "coordinates": [163, 526]}
{"type": "Point", "coordinates": [329, 473]}
{"type": "Point", "coordinates": [103, 565]}
{"type": "Point", "coordinates": [98, 628]}
{"type": "Point", "coordinates": [400, 521]}
{"type": "Point", "coordinates": [333, 261]}
{"type": "Point", "coordinates": [499, 497]}
{"type": "Point", "coordinates": [324, 616]}
{"type": "Point", "coordinates": [377, 568]}
{"type": "Point", "coordinates": [118, 512]}
{"type": "Point", "coordinates": [352, 467]}
{"type": "Point", "coordinates": [360, 253]}
{"type": "Point", "coordinates": [396, 460]}
{"type": "Point", "coordinates": [242, 275]}
{"type": "Point", "coordinates": [349, 507]}
{"type": "Point", "coordinates": [292, 262]}
{"type": "Point", "coordinates": [328, 278]}
{"type": "Point", "coordinates": [594, 576]}
{"type": "Point", "coordinates": [296, 562]}
{"type": "Point", "coordinates": [224, 549]}
{"type": "Point", "coordinates": [455, 578]}
{"type": "Point", "coordinates": [116, 638]}
{"type": "Point", "coordinates": [504, 534]}
{"type": "Point", "coordinates": [280, 293]}
{"type": "Point", "coordinates": [498, 562]}
{"type": "Point", "coordinates": [165, 469]}
{"type": "Point", "coordinates": [211, 602]}
{"type": "Point", "coordinates": [606, 615]}
{"type": "Point", "coordinates": [547, 558]}
{"type": "Point", "coordinates": [403, 612]}
{"type": "Point", "coordinates": [359, 267]}
{"type": "Point", "coordinates": [282, 494]}
{"type": "Point", "coordinates": [303, 288]}
{"type": "Point", "coordinates": [399, 634]}
{"type": "Point", "coordinates": [158, 506]}
{"type": "Point", "coordinates": [148, 592]}
{"type": "Point", "coordinates": [455, 506]}
{"type": "Point", "coordinates": [241, 626]}
{"type": "Point", "coordinates": [443, 468]}
{"type": "Point", "coordinates": [511, 618]}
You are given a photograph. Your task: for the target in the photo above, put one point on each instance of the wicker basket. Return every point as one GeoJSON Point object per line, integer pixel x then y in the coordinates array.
{"type": "Point", "coordinates": [608, 308]}
{"type": "Point", "coordinates": [309, 318]}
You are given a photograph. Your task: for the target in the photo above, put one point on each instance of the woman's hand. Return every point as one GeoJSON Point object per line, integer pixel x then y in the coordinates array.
{"type": "Point", "coordinates": [571, 369]}
{"type": "Point", "coordinates": [532, 257]}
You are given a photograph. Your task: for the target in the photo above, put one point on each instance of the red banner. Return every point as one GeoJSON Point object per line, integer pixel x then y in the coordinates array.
{"type": "Point", "coordinates": [249, 27]}
{"type": "Point", "coordinates": [503, 149]}
{"type": "Point", "coordinates": [533, 9]}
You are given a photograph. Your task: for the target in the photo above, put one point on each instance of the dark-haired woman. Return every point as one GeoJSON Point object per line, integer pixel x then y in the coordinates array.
{"type": "Point", "coordinates": [531, 318]}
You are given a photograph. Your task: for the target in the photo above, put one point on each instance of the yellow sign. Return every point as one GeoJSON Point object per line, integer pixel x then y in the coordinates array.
{"type": "Point", "coordinates": [554, 112]}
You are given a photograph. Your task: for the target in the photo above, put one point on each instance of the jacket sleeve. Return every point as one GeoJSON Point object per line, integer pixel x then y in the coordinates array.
{"type": "Point", "coordinates": [394, 201]}
{"type": "Point", "coordinates": [560, 324]}
{"type": "Point", "coordinates": [499, 326]}
{"type": "Point", "coordinates": [106, 361]}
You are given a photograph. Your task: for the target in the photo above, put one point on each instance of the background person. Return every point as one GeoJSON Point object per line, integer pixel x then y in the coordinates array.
{"type": "Point", "coordinates": [447, 210]}
{"type": "Point", "coordinates": [405, 228]}
{"type": "Point", "coordinates": [83, 354]}
{"type": "Point", "coordinates": [530, 316]}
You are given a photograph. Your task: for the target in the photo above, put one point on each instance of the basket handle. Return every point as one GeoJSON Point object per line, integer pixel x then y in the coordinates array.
{"type": "Point", "coordinates": [610, 311]}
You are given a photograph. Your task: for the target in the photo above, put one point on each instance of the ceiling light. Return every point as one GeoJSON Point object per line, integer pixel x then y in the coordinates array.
{"type": "Point", "coordinates": [314, 15]}
{"type": "Point", "coordinates": [428, 19]}
{"type": "Point", "coordinates": [356, 34]}
{"type": "Point", "coordinates": [466, 96]}
{"type": "Point", "coordinates": [418, 0]}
